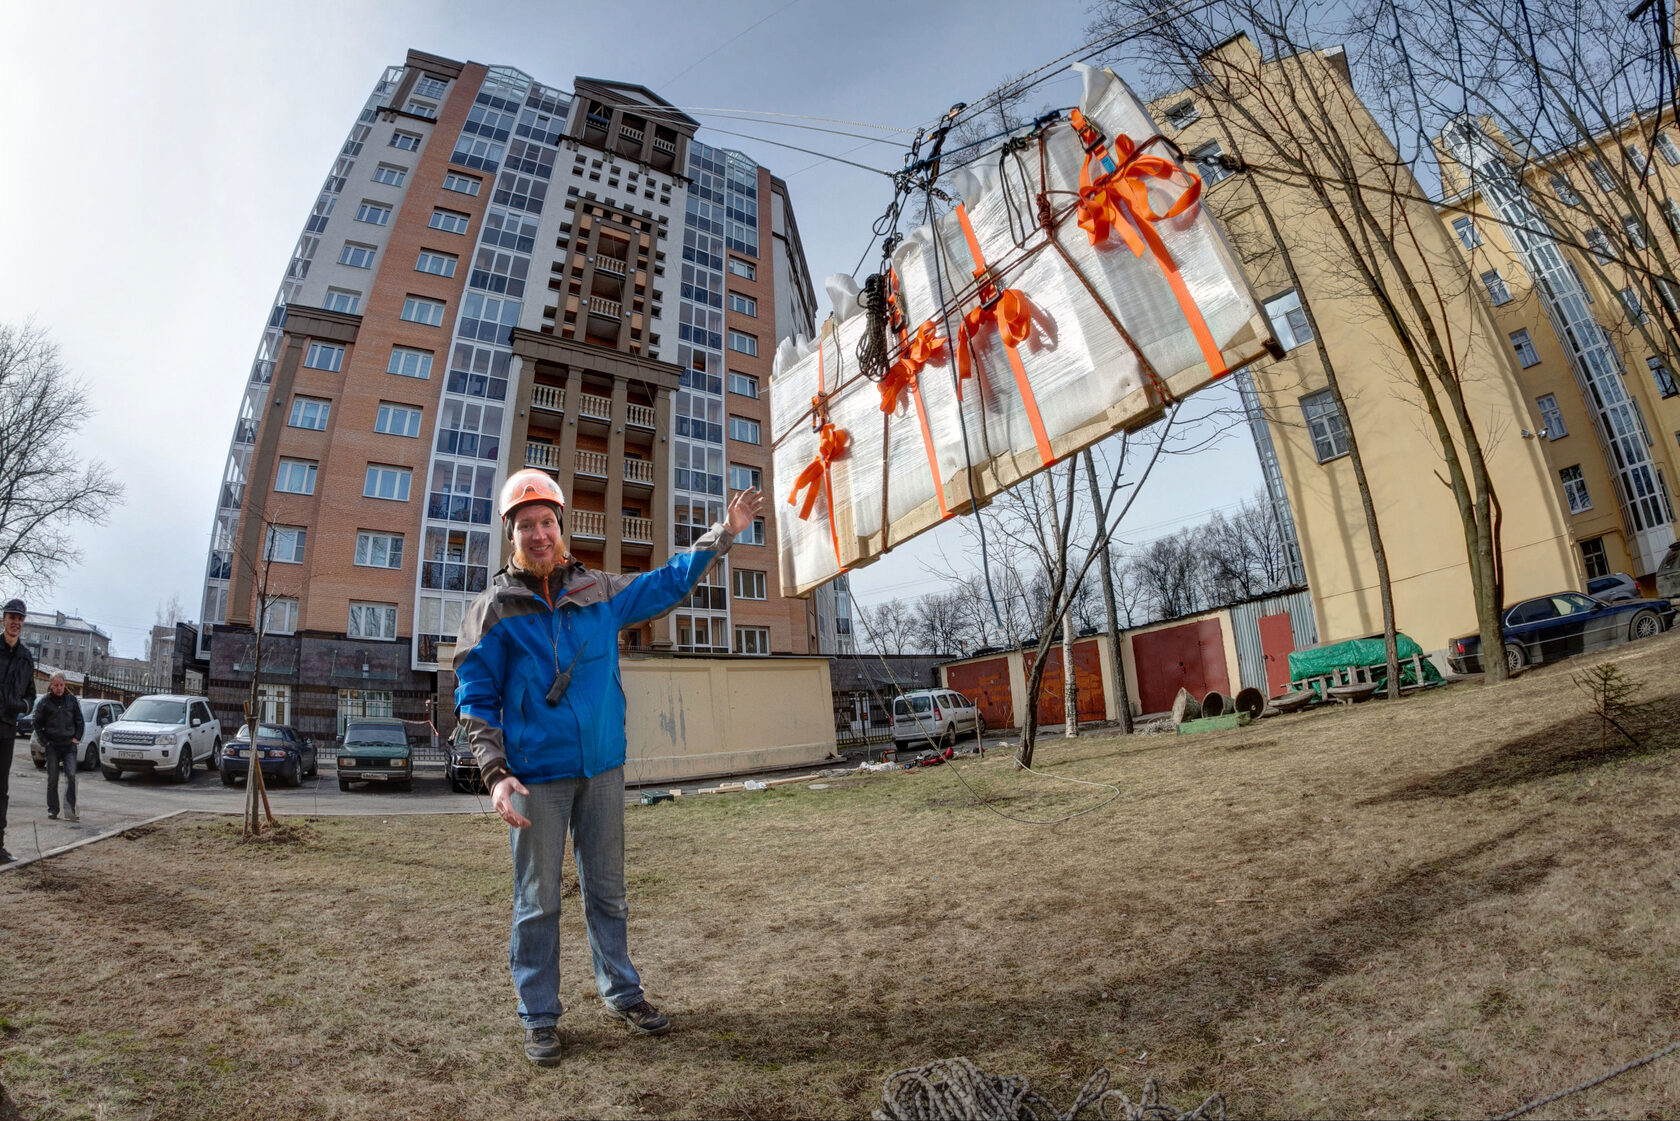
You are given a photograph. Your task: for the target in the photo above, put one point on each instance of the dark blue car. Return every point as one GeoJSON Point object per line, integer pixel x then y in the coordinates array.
{"type": "Point", "coordinates": [1562, 624]}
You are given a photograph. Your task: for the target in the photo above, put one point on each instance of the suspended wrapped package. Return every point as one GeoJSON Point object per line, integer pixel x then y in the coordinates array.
{"type": "Point", "coordinates": [1077, 288]}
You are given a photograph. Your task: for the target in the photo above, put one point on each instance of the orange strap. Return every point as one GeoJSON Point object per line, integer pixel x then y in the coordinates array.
{"type": "Point", "coordinates": [1011, 313]}
{"type": "Point", "coordinates": [1118, 202]}
{"type": "Point", "coordinates": [831, 445]}
{"type": "Point", "coordinates": [917, 352]}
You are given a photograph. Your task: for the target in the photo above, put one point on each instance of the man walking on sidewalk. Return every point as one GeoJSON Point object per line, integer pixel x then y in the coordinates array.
{"type": "Point", "coordinates": [59, 727]}
{"type": "Point", "coordinates": [540, 694]}
{"type": "Point", "coordinates": [17, 694]}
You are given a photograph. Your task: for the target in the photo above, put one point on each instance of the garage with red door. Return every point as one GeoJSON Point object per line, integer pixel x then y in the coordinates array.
{"type": "Point", "coordinates": [1189, 656]}
{"type": "Point", "coordinates": [986, 683]}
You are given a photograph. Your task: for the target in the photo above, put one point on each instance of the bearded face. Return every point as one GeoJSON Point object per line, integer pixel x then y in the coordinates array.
{"type": "Point", "coordinates": [537, 545]}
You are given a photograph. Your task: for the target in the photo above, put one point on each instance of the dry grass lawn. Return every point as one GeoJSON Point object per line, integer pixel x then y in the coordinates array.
{"type": "Point", "coordinates": [1443, 907]}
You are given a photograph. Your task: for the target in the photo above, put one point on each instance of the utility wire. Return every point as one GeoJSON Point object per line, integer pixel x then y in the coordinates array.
{"type": "Point", "coordinates": [807, 151]}
{"type": "Point", "coordinates": [727, 42]}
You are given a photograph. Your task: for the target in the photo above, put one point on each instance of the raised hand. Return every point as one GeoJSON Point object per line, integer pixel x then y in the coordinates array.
{"type": "Point", "coordinates": [745, 506]}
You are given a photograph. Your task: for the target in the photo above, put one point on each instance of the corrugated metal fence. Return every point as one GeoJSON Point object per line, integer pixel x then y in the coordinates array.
{"type": "Point", "coordinates": [1245, 630]}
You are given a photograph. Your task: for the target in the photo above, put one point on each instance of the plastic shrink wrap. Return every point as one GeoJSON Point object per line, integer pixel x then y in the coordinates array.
{"type": "Point", "coordinates": [1018, 346]}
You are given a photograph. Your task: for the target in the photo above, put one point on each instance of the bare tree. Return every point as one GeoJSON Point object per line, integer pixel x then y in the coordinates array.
{"type": "Point", "coordinates": [940, 624]}
{"type": "Point", "coordinates": [889, 627]}
{"type": "Point", "coordinates": [45, 486]}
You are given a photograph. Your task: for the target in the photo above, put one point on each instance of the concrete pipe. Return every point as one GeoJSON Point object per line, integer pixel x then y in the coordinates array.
{"type": "Point", "coordinates": [1216, 704]}
{"type": "Point", "coordinates": [1185, 707]}
{"type": "Point", "coordinates": [1251, 701]}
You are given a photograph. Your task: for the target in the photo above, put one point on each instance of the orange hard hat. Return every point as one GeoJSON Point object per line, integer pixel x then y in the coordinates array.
{"type": "Point", "coordinates": [529, 485]}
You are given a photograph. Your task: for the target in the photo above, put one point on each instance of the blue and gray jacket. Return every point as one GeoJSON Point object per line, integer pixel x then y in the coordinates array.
{"type": "Point", "coordinates": [525, 631]}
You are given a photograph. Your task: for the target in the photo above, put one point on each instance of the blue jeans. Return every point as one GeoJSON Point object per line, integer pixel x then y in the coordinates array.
{"type": "Point", "coordinates": [61, 758]}
{"type": "Point", "coordinates": [592, 809]}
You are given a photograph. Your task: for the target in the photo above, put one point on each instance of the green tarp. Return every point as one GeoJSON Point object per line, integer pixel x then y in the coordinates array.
{"type": "Point", "coordinates": [1324, 661]}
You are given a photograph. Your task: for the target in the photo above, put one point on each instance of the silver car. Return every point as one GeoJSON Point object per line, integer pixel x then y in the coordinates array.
{"type": "Point", "coordinates": [934, 717]}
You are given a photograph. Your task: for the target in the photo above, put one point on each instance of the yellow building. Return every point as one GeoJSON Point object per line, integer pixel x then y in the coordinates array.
{"type": "Point", "coordinates": [1300, 432]}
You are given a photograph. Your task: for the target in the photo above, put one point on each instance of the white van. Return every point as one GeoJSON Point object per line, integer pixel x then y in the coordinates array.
{"type": "Point", "coordinates": [930, 717]}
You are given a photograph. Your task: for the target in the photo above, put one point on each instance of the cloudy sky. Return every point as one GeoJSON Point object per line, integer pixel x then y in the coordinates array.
{"type": "Point", "coordinates": [163, 157]}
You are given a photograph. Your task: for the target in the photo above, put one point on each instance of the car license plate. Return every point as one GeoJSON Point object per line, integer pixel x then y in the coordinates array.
{"type": "Point", "coordinates": [131, 755]}
{"type": "Point", "coordinates": [374, 778]}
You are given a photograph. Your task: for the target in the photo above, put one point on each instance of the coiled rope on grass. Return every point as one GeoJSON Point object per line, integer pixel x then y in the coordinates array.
{"type": "Point", "coordinates": [957, 1090]}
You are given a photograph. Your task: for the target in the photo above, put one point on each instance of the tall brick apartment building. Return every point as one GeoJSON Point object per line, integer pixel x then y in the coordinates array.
{"type": "Point", "coordinates": [500, 274]}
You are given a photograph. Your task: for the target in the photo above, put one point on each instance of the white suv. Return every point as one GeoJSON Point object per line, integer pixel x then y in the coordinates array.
{"type": "Point", "coordinates": [161, 734]}
{"type": "Point", "coordinates": [931, 717]}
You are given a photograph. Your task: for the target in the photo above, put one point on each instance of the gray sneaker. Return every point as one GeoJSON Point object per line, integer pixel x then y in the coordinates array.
{"type": "Point", "coordinates": [543, 1046]}
{"type": "Point", "coordinates": [642, 1018]}
{"type": "Point", "coordinates": [70, 815]}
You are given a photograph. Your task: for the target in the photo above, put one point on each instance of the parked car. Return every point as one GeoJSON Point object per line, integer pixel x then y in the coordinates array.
{"type": "Point", "coordinates": [1547, 628]}
{"type": "Point", "coordinates": [934, 716]}
{"type": "Point", "coordinates": [165, 733]}
{"type": "Point", "coordinates": [26, 725]}
{"type": "Point", "coordinates": [1668, 573]}
{"type": "Point", "coordinates": [375, 749]}
{"type": "Point", "coordinates": [460, 766]}
{"type": "Point", "coordinates": [280, 751]}
{"type": "Point", "coordinates": [1614, 588]}
{"type": "Point", "coordinates": [95, 716]}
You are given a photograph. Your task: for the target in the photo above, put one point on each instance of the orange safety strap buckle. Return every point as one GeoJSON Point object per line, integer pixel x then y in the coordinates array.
{"type": "Point", "coordinates": [1088, 134]}
{"type": "Point", "coordinates": [990, 291]}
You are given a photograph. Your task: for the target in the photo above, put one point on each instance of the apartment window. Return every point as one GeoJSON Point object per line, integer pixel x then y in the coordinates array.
{"type": "Point", "coordinates": [1671, 216]}
{"type": "Point", "coordinates": [1575, 489]}
{"type": "Point", "coordinates": [1468, 235]}
{"type": "Point", "coordinates": [749, 584]}
{"type": "Point", "coordinates": [423, 109]}
{"type": "Point", "coordinates": [357, 256]}
{"type": "Point", "coordinates": [410, 363]}
{"type": "Point", "coordinates": [1630, 301]}
{"type": "Point", "coordinates": [280, 617]}
{"type": "Point", "coordinates": [742, 477]}
{"type": "Point", "coordinates": [379, 550]}
{"type": "Point", "coordinates": [450, 221]}
{"type": "Point", "coordinates": [1184, 114]}
{"type": "Point", "coordinates": [1524, 346]}
{"type": "Point", "coordinates": [462, 184]}
{"type": "Point", "coordinates": [419, 310]}
{"type": "Point", "coordinates": [430, 87]}
{"type": "Point", "coordinates": [744, 430]}
{"type": "Point", "coordinates": [285, 543]}
{"type": "Point", "coordinates": [310, 412]}
{"type": "Point", "coordinates": [1594, 558]}
{"type": "Point", "coordinates": [1669, 150]}
{"type": "Point", "coordinates": [1668, 294]}
{"type": "Point", "coordinates": [1599, 242]}
{"type": "Point", "coordinates": [1210, 163]}
{"type": "Point", "coordinates": [743, 342]}
{"type": "Point", "coordinates": [1325, 423]}
{"type": "Point", "coordinates": [746, 385]}
{"type": "Point", "coordinates": [295, 476]}
{"type": "Point", "coordinates": [1565, 191]}
{"type": "Point", "coordinates": [744, 269]}
{"type": "Point", "coordinates": [342, 299]}
{"type": "Point", "coordinates": [746, 305]}
{"type": "Point", "coordinates": [438, 264]}
{"type": "Point", "coordinates": [1636, 160]}
{"type": "Point", "coordinates": [753, 534]}
{"type": "Point", "coordinates": [397, 420]}
{"type": "Point", "coordinates": [373, 213]}
{"type": "Point", "coordinates": [1289, 320]}
{"type": "Point", "coordinates": [1663, 376]}
{"type": "Point", "coordinates": [1635, 232]}
{"type": "Point", "coordinates": [752, 640]}
{"type": "Point", "coordinates": [377, 621]}
{"type": "Point", "coordinates": [1601, 176]}
{"type": "Point", "coordinates": [1551, 417]}
{"type": "Point", "coordinates": [390, 175]}
{"type": "Point", "coordinates": [407, 141]}
{"type": "Point", "coordinates": [324, 356]}
{"type": "Point", "coordinates": [1496, 290]}
{"type": "Point", "coordinates": [390, 483]}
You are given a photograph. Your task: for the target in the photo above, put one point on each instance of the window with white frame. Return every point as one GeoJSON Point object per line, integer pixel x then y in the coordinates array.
{"type": "Point", "coordinates": [324, 356]}
{"type": "Point", "coordinates": [418, 309]}
{"type": "Point", "coordinates": [410, 363]}
{"type": "Point", "coordinates": [379, 550]}
{"type": "Point", "coordinates": [1289, 320]}
{"type": "Point", "coordinates": [285, 543]}
{"type": "Point", "coordinates": [373, 213]}
{"type": "Point", "coordinates": [462, 184]}
{"type": "Point", "coordinates": [1468, 235]}
{"type": "Point", "coordinates": [309, 412]}
{"type": "Point", "coordinates": [1636, 160]}
{"type": "Point", "coordinates": [743, 343]}
{"type": "Point", "coordinates": [438, 264]}
{"type": "Point", "coordinates": [397, 420]}
{"type": "Point", "coordinates": [342, 299]}
{"type": "Point", "coordinates": [1669, 150]}
{"type": "Point", "coordinates": [390, 174]}
{"type": "Point", "coordinates": [746, 305]}
{"type": "Point", "coordinates": [1599, 242]}
{"type": "Point", "coordinates": [1523, 344]}
{"type": "Point", "coordinates": [1601, 175]}
{"type": "Point", "coordinates": [1671, 215]}
{"type": "Point", "coordinates": [1184, 114]}
{"type": "Point", "coordinates": [746, 385]}
{"type": "Point", "coordinates": [753, 534]}
{"type": "Point", "coordinates": [1325, 424]}
{"type": "Point", "coordinates": [1663, 376]}
{"type": "Point", "coordinates": [1551, 417]}
{"type": "Point", "coordinates": [743, 268]}
{"type": "Point", "coordinates": [274, 703]}
{"type": "Point", "coordinates": [744, 430]}
{"type": "Point", "coordinates": [1565, 191]}
{"type": "Point", "coordinates": [422, 109]}
{"type": "Point", "coordinates": [1496, 289]}
{"type": "Point", "coordinates": [1631, 302]}
{"type": "Point", "coordinates": [386, 482]}
{"type": "Point", "coordinates": [406, 141]}
{"type": "Point", "coordinates": [752, 640]}
{"type": "Point", "coordinates": [427, 86]}
{"type": "Point", "coordinates": [1210, 163]}
{"type": "Point", "coordinates": [1668, 293]}
{"type": "Point", "coordinates": [353, 703]}
{"type": "Point", "coordinates": [280, 616]}
{"type": "Point", "coordinates": [1575, 489]}
{"type": "Point", "coordinates": [450, 221]}
{"type": "Point", "coordinates": [295, 476]}
{"type": "Point", "coordinates": [357, 255]}
{"type": "Point", "coordinates": [742, 477]}
{"type": "Point", "coordinates": [749, 583]}
{"type": "Point", "coordinates": [377, 621]}
{"type": "Point", "coordinates": [1635, 231]}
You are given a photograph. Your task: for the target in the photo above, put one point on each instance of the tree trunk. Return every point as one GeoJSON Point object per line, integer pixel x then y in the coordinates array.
{"type": "Point", "coordinates": [1070, 687]}
{"type": "Point", "coordinates": [1122, 703]}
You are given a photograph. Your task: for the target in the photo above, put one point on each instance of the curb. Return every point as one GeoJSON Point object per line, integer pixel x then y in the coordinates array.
{"type": "Point", "coordinates": [24, 861]}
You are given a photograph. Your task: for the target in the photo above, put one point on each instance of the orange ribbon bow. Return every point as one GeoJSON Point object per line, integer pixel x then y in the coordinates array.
{"type": "Point", "coordinates": [831, 446]}
{"type": "Point", "coordinates": [917, 352]}
{"type": "Point", "coordinates": [1010, 313]}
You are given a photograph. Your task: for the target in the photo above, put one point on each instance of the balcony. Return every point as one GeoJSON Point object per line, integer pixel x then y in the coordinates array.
{"type": "Point", "coordinates": [665, 146]}
{"type": "Point", "coordinates": [638, 470]}
{"type": "Point", "coordinates": [612, 265]}
{"type": "Point", "coordinates": [588, 523]}
{"type": "Point", "coordinates": [592, 463]}
{"type": "Point", "coordinates": [611, 309]}
{"type": "Point", "coordinates": [550, 397]}
{"type": "Point", "coordinates": [638, 530]}
{"type": "Point", "coordinates": [634, 135]}
{"type": "Point", "coordinates": [544, 456]}
{"type": "Point", "coordinates": [639, 415]}
{"type": "Point", "coordinates": [594, 407]}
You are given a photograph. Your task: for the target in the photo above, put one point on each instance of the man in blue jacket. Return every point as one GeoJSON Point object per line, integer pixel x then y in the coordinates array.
{"type": "Point", "coordinates": [540, 693]}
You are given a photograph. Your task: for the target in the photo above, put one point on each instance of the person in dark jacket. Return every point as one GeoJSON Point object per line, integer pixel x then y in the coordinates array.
{"type": "Point", "coordinates": [543, 703]}
{"type": "Point", "coordinates": [17, 696]}
{"type": "Point", "coordinates": [59, 727]}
